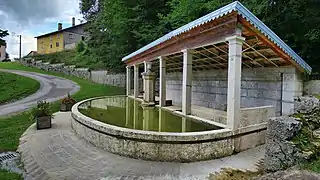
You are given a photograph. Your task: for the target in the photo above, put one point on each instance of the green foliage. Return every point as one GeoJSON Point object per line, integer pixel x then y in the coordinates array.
{"type": "Point", "coordinates": [120, 27]}
{"type": "Point", "coordinates": [43, 108]}
{"type": "Point", "coordinates": [80, 47]}
{"type": "Point", "coordinates": [2, 35]}
{"type": "Point", "coordinates": [305, 139]}
{"type": "Point", "coordinates": [6, 175]}
{"type": "Point", "coordinates": [14, 87]}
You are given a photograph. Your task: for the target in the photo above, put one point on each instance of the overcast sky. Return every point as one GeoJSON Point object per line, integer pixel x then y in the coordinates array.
{"type": "Point", "coordinates": [31, 18]}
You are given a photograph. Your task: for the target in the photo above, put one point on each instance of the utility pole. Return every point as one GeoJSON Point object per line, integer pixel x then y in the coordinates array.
{"type": "Point", "coordinates": [20, 48]}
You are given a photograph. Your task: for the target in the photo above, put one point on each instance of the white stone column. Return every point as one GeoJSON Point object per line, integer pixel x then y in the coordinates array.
{"type": "Point", "coordinates": [128, 80]}
{"type": "Point", "coordinates": [136, 81]}
{"type": "Point", "coordinates": [186, 81]}
{"type": "Point", "coordinates": [163, 96]}
{"type": "Point", "coordinates": [234, 81]}
{"type": "Point", "coordinates": [147, 66]}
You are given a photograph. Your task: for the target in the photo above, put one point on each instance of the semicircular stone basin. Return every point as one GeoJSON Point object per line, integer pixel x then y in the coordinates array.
{"type": "Point", "coordinates": [121, 125]}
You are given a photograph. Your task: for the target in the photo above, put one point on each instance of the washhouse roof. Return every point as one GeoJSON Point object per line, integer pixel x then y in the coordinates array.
{"type": "Point", "coordinates": [240, 10]}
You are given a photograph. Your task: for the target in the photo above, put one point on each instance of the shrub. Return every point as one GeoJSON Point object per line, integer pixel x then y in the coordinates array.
{"type": "Point", "coordinates": [68, 100]}
{"type": "Point", "coordinates": [43, 108]}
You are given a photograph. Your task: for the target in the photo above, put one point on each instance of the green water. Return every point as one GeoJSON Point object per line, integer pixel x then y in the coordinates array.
{"type": "Point", "coordinates": [127, 112]}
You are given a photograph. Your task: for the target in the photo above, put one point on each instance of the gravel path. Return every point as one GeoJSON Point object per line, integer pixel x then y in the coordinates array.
{"type": "Point", "coordinates": [51, 89]}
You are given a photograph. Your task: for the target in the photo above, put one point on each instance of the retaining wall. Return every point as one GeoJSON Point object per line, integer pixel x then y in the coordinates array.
{"type": "Point", "coordinates": [99, 76]}
{"type": "Point", "coordinates": [312, 87]}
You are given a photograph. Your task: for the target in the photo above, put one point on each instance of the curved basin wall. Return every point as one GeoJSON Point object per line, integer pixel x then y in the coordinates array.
{"type": "Point", "coordinates": [156, 146]}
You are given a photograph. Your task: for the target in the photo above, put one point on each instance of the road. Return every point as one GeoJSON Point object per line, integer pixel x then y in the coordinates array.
{"type": "Point", "coordinates": [52, 88]}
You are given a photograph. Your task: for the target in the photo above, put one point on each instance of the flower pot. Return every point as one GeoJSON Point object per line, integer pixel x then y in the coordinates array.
{"type": "Point", "coordinates": [66, 107]}
{"type": "Point", "coordinates": [43, 122]}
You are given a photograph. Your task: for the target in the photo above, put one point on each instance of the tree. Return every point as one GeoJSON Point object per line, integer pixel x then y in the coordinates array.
{"type": "Point", "coordinates": [2, 35]}
{"type": "Point", "coordinates": [7, 56]}
{"type": "Point", "coordinates": [119, 27]}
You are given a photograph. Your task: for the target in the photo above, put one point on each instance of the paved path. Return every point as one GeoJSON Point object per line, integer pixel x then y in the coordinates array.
{"type": "Point", "coordinates": [58, 153]}
{"type": "Point", "coordinates": [51, 89]}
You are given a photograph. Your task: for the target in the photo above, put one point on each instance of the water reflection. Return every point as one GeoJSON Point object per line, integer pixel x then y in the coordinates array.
{"type": "Point", "coordinates": [127, 112]}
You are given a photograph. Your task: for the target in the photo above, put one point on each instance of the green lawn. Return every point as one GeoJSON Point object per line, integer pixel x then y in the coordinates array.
{"type": "Point", "coordinates": [14, 87]}
{"type": "Point", "coordinates": [5, 175]}
{"type": "Point", "coordinates": [11, 128]}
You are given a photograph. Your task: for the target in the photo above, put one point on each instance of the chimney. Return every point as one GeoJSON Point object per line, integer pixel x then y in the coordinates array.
{"type": "Point", "coordinates": [73, 21]}
{"type": "Point", "coordinates": [59, 26]}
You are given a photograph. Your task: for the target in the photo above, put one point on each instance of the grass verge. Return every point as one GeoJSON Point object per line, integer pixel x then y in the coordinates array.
{"type": "Point", "coordinates": [12, 127]}
{"type": "Point", "coordinates": [5, 175]}
{"type": "Point", "coordinates": [14, 87]}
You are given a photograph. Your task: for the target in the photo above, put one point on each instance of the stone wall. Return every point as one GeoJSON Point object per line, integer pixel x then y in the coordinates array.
{"type": "Point", "coordinates": [280, 152]}
{"type": "Point", "coordinates": [312, 87]}
{"type": "Point", "coordinates": [259, 87]}
{"type": "Point", "coordinates": [100, 76]}
{"type": "Point", "coordinates": [292, 140]}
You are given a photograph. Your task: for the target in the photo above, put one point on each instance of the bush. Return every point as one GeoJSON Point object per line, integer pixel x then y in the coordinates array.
{"type": "Point", "coordinates": [6, 60]}
{"type": "Point", "coordinates": [80, 47]}
{"type": "Point", "coordinates": [43, 108]}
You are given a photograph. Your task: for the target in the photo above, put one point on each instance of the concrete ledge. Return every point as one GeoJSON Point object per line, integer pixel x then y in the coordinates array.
{"type": "Point", "coordinates": [157, 146]}
{"type": "Point", "coordinates": [148, 145]}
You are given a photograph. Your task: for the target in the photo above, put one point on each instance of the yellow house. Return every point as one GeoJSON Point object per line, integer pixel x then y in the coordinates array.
{"type": "Point", "coordinates": [62, 39]}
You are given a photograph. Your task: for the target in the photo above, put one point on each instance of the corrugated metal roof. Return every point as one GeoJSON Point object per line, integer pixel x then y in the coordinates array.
{"type": "Point", "coordinates": [245, 13]}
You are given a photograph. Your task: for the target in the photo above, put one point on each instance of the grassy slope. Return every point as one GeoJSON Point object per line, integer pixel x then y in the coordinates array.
{"type": "Point", "coordinates": [14, 87]}
{"type": "Point", "coordinates": [11, 128]}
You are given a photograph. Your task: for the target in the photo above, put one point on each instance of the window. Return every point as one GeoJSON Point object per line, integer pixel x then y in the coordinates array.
{"type": "Point", "coordinates": [58, 36]}
{"type": "Point", "coordinates": [57, 44]}
{"type": "Point", "coordinates": [50, 38]}
{"type": "Point", "coordinates": [70, 36]}
{"type": "Point", "coordinates": [50, 45]}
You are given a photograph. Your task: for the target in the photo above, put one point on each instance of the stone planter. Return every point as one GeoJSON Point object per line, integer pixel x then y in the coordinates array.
{"type": "Point", "coordinates": [43, 122]}
{"type": "Point", "coordinates": [66, 107]}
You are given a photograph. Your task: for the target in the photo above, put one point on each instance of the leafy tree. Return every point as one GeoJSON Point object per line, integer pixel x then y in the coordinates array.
{"type": "Point", "coordinates": [7, 55]}
{"type": "Point", "coordinates": [2, 35]}
{"type": "Point", "coordinates": [119, 27]}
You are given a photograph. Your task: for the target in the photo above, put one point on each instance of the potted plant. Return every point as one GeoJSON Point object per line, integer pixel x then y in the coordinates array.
{"type": "Point", "coordinates": [42, 114]}
{"type": "Point", "coordinates": [67, 103]}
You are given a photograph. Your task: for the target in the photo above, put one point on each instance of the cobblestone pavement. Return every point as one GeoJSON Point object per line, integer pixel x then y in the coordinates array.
{"type": "Point", "coordinates": [57, 153]}
{"type": "Point", "coordinates": [51, 89]}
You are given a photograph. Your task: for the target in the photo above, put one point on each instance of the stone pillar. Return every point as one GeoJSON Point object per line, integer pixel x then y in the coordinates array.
{"type": "Point", "coordinates": [128, 80]}
{"type": "Point", "coordinates": [128, 111]}
{"type": "Point", "coordinates": [136, 81]}
{"type": "Point", "coordinates": [186, 81]}
{"type": "Point", "coordinates": [163, 96]}
{"type": "Point", "coordinates": [146, 65]}
{"type": "Point", "coordinates": [149, 91]}
{"type": "Point", "coordinates": [234, 81]}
